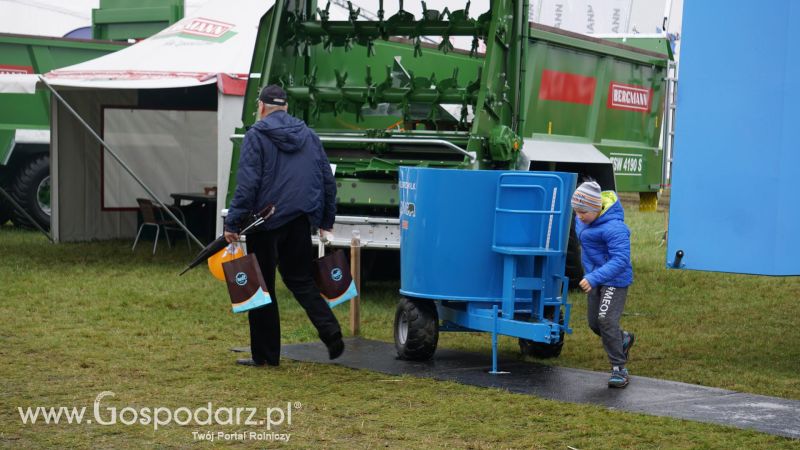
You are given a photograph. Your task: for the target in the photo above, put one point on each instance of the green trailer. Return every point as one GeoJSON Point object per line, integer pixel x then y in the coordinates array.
{"type": "Point", "coordinates": [120, 20]}
{"type": "Point", "coordinates": [25, 119]}
{"type": "Point", "coordinates": [524, 96]}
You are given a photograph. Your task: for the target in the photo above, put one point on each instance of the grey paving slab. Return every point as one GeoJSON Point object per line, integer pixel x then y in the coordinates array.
{"type": "Point", "coordinates": [644, 395]}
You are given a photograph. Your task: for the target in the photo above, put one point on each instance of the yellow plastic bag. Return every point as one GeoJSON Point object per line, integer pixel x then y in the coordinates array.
{"type": "Point", "coordinates": [229, 253]}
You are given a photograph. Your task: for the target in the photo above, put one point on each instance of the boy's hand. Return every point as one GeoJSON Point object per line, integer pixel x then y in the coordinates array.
{"type": "Point", "coordinates": [584, 284]}
{"type": "Point", "coordinates": [231, 237]}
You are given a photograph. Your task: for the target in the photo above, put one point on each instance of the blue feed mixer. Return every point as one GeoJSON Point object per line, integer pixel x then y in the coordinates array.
{"type": "Point", "coordinates": [483, 250]}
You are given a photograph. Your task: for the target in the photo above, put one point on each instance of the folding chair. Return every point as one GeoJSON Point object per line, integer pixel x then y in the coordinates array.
{"type": "Point", "coordinates": [153, 216]}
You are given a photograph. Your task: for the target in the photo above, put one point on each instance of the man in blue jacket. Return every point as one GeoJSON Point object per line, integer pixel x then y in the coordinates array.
{"type": "Point", "coordinates": [606, 257]}
{"type": "Point", "coordinates": [282, 163]}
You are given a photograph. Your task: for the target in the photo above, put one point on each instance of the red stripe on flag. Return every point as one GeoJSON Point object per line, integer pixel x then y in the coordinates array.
{"type": "Point", "coordinates": [567, 87]}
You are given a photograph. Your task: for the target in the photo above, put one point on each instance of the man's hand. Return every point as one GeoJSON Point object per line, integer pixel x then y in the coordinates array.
{"type": "Point", "coordinates": [584, 284]}
{"type": "Point", "coordinates": [231, 237]}
{"type": "Point", "coordinates": [326, 235]}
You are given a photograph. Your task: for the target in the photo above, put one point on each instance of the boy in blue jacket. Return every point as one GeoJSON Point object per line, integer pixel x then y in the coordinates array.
{"type": "Point", "coordinates": [606, 257]}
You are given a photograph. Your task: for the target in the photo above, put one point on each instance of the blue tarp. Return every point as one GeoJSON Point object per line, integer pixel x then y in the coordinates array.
{"type": "Point", "coordinates": [735, 203]}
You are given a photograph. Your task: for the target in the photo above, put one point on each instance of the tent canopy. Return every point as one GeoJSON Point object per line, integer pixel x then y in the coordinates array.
{"type": "Point", "coordinates": [156, 105]}
{"type": "Point", "coordinates": [14, 83]}
{"type": "Point", "coordinates": [215, 44]}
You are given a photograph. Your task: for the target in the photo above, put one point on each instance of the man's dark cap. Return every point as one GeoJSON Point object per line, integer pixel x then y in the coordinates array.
{"type": "Point", "coordinates": [273, 95]}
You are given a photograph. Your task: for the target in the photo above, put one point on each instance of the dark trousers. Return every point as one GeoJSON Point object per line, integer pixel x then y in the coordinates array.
{"type": "Point", "coordinates": [289, 249]}
{"type": "Point", "coordinates": [604, 312]}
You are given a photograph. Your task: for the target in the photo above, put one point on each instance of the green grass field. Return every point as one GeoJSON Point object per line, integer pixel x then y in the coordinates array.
{"type": "Point", "coordinates": [80, 319]}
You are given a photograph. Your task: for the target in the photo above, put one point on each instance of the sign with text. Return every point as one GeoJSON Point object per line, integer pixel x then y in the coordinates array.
{"type": "Point", "coordinates": [6, 69]}
{"type": "Point", "coordinates": [629, 97]}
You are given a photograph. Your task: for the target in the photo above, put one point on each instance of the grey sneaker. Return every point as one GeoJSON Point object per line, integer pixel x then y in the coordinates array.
{"type": "Point", "coordinates": [619, 378]}
{"type": "Point", "coordinates": [627, 342]}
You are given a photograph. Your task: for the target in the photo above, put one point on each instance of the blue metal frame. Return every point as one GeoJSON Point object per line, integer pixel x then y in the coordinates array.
{"type": "Point", "coordinates": [529, 233]}
{"type": "Point", "coordinates": [487, 317]}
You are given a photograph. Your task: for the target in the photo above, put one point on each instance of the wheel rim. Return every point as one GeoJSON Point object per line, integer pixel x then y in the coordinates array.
{"type": "Point", "coordinates": [402, 329]}
{"type": "Point", "coordinates": [43, 195]}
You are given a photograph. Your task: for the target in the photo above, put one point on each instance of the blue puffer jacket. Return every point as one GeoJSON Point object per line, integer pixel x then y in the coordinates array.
{"type": "Point", "coordinates": [606, 246]}
{"type": "Point", "coordinates": [283, 163]}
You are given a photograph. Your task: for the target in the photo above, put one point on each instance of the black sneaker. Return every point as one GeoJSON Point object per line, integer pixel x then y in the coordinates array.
{"type": "Point", "coordinates": [628, 340]}
{"type": "Point", "coordinates": [250, 363]}
{"type": "Point", "coordinates": [335, 349]}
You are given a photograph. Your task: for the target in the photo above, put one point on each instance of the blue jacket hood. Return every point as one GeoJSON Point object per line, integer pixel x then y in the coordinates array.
{"type": "Point", "coordinates": [282, 163]}
{"type": "Point", "coordinates": [605, 246]}
{"type": "Point", "coordinates": [613, 212]}
{"type": "Point", "coordinates": [287, 133]}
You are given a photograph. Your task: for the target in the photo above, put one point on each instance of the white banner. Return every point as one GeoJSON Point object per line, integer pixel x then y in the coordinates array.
{"type": "Point", "coordinates": [584, 16]}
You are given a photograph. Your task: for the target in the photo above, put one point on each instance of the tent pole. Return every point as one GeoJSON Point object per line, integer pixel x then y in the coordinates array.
{"type": "Point", "coordinates": [24, 213]}
{"type": "Point", "coordinates": [117, 158]}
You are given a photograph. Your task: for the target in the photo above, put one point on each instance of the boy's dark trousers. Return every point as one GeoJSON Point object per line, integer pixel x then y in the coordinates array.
{"type": "Point", "coordinates": [604, 311]}
{"type": "Point", "coordinates": [288, 248]}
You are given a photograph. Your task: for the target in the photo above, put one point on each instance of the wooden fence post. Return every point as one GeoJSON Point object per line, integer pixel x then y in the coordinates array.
{"type": "Point", "coordinates": [355, 271]}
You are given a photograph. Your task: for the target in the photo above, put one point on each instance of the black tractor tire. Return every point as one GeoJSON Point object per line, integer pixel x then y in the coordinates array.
{"type": "Point", "coordinates": [416, 329]}
{"type": "Point", "coordinates": [540, 349]}
{"type": "Point", "coordinates": [573, 269]}
{"type": "Point", "coordinates": [26, 191]}
{"type": "Point", "coordinates": [5, 209]}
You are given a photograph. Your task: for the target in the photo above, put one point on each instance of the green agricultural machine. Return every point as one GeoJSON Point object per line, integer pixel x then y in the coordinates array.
{"type": "Point", "coordinates": [523, 96]}
{"type": "Point", "coordinates": [25, 119]}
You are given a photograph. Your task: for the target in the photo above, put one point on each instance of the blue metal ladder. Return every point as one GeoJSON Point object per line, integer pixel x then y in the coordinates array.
{"type": "Point", "coordinates": [509, 215]}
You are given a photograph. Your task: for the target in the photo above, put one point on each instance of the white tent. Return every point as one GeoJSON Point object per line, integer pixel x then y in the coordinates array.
{"type": "Point", "coordinates": [166, 105]}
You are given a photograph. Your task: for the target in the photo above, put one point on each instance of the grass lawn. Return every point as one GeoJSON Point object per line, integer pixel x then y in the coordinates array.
{"type": "Point", "coordinates": [80, 319]}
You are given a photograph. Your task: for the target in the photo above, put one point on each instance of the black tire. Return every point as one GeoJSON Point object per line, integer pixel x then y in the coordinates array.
{"type": "Point", "coordinates": [540, 349]}
{"type": "Point", "coordinates": [416, 329]}
{"type": "Point", "coordinates": [29, 189]}
{"type": "Point", "coordinates": [573, 269]}
{"type": "Point", "coordinates": [5, 211]}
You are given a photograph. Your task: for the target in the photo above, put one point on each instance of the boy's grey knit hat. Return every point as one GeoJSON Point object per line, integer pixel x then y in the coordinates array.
{"type": "Point", "coordinates": [587, 197]}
